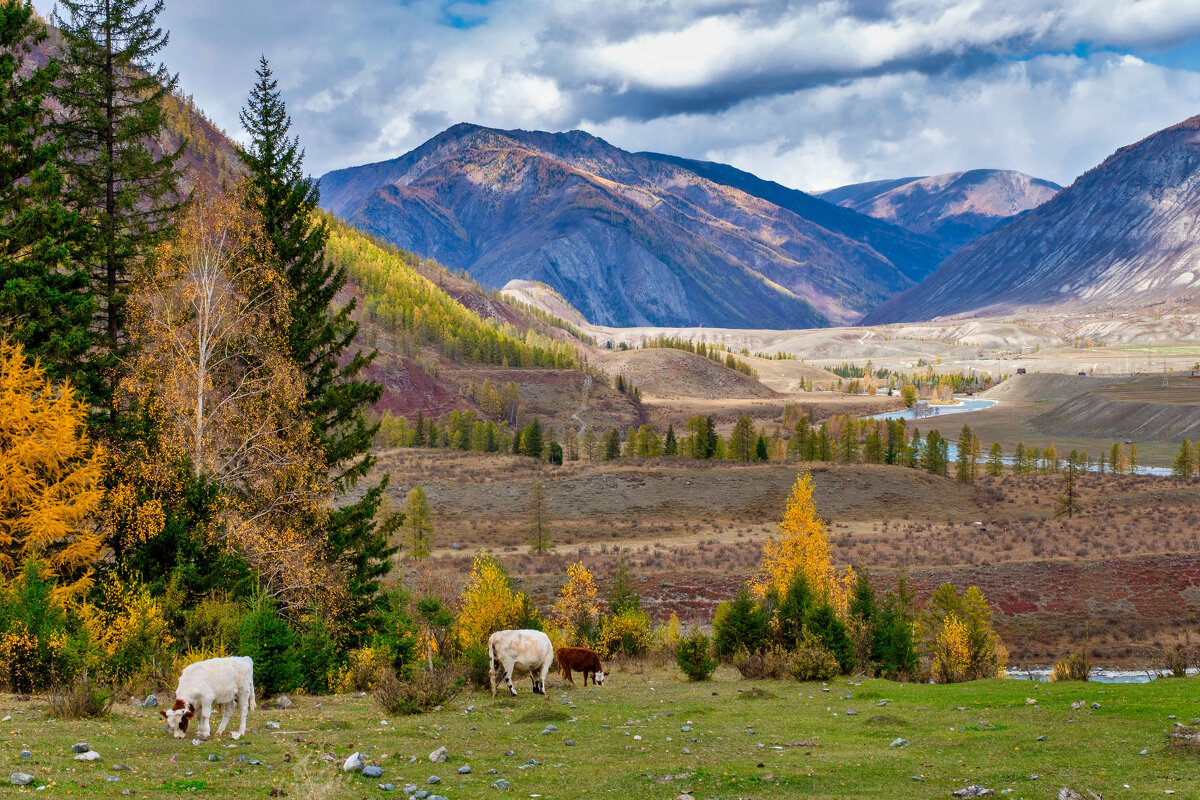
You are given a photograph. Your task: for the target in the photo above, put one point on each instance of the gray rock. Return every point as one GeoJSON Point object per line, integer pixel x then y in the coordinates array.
{"type": "Point", "coordinates": [569, 742]}
{"type": "Point", "coordinates": [550, 728]}
{"type": "Point", "coordinates": [470, 708]}
{"type": "Point", "coordinates": [1170, 716]}
{"type": "Point", "coordinates": [509, 752]}
{"type": "Point", "coordinates": [360, 694]}
{"type": "Point", "coordinates": [26, 754]}
{"type": "Point", "coordinates": [683, 796]}
{"type": "Point", "coordinates": [353, 763]}
{"type": "Point", "coordinates": [151, 701]}
{"type": "Point", "coordinates": [685, 728]}
{"type": "Point", "coordinates": [500, 784]}
{"type": "Point", "coordinates": [283, 701]}
{"type": "Point", "coordinates": [90, 755]}
{"type": "Point", "coordinates": [1097, 706]}
{"type": "Point", "coordinates": [464, 770]}
{"type": "Point", "coordinates": [80, 747]}
{"type": "Point", "coordinates": [439, 755]}
{"type": "Point", "coordinates": [421, 794]}
{"type": "Point", "coordinates": [850, 712]}
{"type": "Point", "coordinates": [372, 772]}
{"type": "Point", "coordinates": [493, 771]}
{"type": "Point", "coordinates": [273, 726]}
{"type": "Point", "coordinates": [899, 742]}
{"type": "Point", "coordinates": [387, 787]}
{"type": "Point", "coordinates": [1144, 753]}
{"type": "Point", "coordinates": [686, 752]}
{"type": "Point", "coordinates": [973, 791]}
{"type": "Point", "coordinates": [213, 757]}
{"type": "Point", "coordinates": [242, 759]}
{"type": "Point", "coordinates": [20, 779]}
{"type": "Point", "coordinates": [409, 788]}
{"type": "Point", "coordinates": [433, 779]}
{"type": "Point", "coordinates": [112, 779]}
{"type": "Point", "coordinates": [254, 762]}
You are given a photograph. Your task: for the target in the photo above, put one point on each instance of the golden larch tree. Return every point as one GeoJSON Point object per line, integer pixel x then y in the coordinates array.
{"type": "Point", "coordinates": [802, 547]}
{"type": "Point", "coordinates": [487, 604]}
{"type": "Point", "coordinates": [49, 476]}
{"type": "Point", "coordinates": [212, 369]}
{"type": "Point", "coordinates": [577, 610]}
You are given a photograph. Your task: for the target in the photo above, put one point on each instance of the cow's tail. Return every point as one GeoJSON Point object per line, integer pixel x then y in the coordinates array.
{"type": "Point", "coordinates": [491, 647]}
{"type": "Point", "coordinates": [253, 705]}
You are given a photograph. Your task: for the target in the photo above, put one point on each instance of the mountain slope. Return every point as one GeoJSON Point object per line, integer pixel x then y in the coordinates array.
{"type": "Point", "coordinates": [956, 208]}
{"type": "Point", "coordinates": [629, 238]}
{"type": "Point", "coordinates": [1125, 233]}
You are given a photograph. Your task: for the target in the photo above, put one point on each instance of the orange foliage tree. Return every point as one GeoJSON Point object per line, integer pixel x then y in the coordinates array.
{"type": "Point", "coordinates": [213, 372]}
{"type": "Point", "coordinates": [803, 548]}
{"type": "Point", "coordinates": [49, 474]}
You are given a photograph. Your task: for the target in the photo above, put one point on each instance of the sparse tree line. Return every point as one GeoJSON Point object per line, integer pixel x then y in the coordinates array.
{"type": "Point", "coordinates": [183, 407]}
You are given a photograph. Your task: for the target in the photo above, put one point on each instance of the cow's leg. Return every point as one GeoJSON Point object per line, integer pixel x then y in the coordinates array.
{"type": "Point", "coordinates": [243, 701]}
{"type": "Point", "coordinates": [542, 678]}
{"type": "Point", "coordinates": [492, 677]}
{"type": "Point", "coordinates": [205, 717]}
{"type": "Point", "coordinates": [567, 675]}
{"type": "Point", "coordinates": [226, 713]}
{"type": "Point", "coordinates": [508, 673]}
{"type": "Point", "coordinates": [585, 676]}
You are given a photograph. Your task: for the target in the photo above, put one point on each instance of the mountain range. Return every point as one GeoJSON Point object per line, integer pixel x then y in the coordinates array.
{"type": "Point", "coordinates": [955, 208]}
{"type": "Point", "coordinates": [1124, 233]}
{"type": "Point", "coordinates": [631, 238]}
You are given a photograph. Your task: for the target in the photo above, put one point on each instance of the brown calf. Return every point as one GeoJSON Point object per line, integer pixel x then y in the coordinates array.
{"type": "Point", "coordinates": [582, 660]}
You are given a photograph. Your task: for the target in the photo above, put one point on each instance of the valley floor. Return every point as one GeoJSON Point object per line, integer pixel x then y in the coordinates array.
{"type": "Point", "coordinates": [646, 734]}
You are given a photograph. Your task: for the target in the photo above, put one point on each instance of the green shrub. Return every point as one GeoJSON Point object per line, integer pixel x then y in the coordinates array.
{"type": "Point", "coordinates": [319, 655]}
{"type": "Point", "coordinates": [740, 624]}
{"type": "Point", "coordinates": [694, 656]}
{"type": "Point", "coordinates": [765, 663]}
{"type": "Point", "coordinates": [266, 637]}
{"type": "Point", "coordinates": [37, 645]}
{"type": "Point", "coordinates": [814, 662]}
{"type": "Point", "coordinates": [398, 632]}
{"type": "Point", "coordinates": [475, 665]}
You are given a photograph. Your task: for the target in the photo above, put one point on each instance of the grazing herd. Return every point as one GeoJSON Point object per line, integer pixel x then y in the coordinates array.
{"type": "Point", "coordinates": [229, 682]}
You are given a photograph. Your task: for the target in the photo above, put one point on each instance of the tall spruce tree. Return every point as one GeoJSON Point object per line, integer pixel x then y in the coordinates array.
{"type": "Point", "coordinates": [118, 179]}
{"type": "Point", "coordinates": [44, 300]}
{"type": "Point", "coordinates": [320, 337]}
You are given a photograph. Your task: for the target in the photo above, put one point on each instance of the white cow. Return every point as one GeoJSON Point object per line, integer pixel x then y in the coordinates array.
{"type": "Point", "coordinates": [524, 651]}
{"type": "Point", "coordinates": [219, 681]}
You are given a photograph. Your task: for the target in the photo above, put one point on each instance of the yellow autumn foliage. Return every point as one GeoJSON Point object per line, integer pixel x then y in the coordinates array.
{"type": "Point", "coordinates": [130, 630]}
{"type": "Point", "coordinates": [952, 652]}
{"type": "Point", "coordinates": [577, 608]}
{"type": "Point", "coordinates": [802, 547]}
{"type": "Point", "coordinates": [49, 476]}
{"type": "Point", "coordinates": [487, 604]}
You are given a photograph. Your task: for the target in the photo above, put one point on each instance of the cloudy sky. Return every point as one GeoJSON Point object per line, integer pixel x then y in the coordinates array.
{"type": "Point", "coordinates": [811, 94]}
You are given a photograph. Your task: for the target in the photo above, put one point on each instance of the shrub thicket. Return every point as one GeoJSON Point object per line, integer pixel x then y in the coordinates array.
{"type": "Point", "coordinates": [694, 656]}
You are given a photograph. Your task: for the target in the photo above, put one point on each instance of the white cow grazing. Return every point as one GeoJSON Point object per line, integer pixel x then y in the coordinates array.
{"type": "Point", "coordinates": [217, 681]}
{"type": "Point", "coordinates": [524, 651]}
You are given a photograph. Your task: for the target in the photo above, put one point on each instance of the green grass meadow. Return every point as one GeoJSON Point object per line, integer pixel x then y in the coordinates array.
{"type": "Point", "coordinates": [752, 739]}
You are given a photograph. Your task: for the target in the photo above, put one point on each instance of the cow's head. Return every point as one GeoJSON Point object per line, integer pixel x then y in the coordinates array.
{"type": "Point", "coordinates": [599, 678]}
{"type": "Point", "coordinates": [177, 718]}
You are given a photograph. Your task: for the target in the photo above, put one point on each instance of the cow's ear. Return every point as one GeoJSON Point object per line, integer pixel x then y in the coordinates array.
{"type": "Point", "coordinates": [188, 714]}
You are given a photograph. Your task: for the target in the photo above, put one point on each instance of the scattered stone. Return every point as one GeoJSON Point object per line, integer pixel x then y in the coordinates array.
{"type": "Point", "coordinates": [509, 752]}
{"type": "Point", "coordinates": [470, 708]}
{"type": "Point", "coordinates": [1170, 716]}
{"type": "Point", "coordinates": [409, 788]}
{"type": "Point", "coordinates": [273, 726]}
{"type": "Point", "coordinates": [214, 757]}
{"type": "Point", "coordinates": [254, 762]}
{"type": "Point", "coordinates": [354, 763]}
{"type": "Point", "coordinates": [1078, 704]}
{"type": "Point", "coordinates": [1144, 753]}
{"type": "Point", "coordinates": [1096, 706]}
{"type": "Point", "coordinates": [26, 754]}
{"type": "Point", "coordinates": [90, 755]}
{"type": "Point", "coordinates": [433, 779]}
{"type": "Point", "coordinates": [686, 751]}
{"type": "Point", "coordinates": [439, 755]}
{"type": "Point", "coordinates": [683, 796]}
{"type": "Point", "coordinates": [881, 703]}
{"type": "Point", "coordinates": [360, 694]}
{"type": "Point", "coordinates": [464, 770]}
{"type": "Point", "coordinates": [550, 728]}
{"type": "Point", "coordinates": [283, 701]}
{"type": "Point", "coordinates": [387, 787]}
{"type": "Point", "coordinates": [242, 759]}
{"type": "Point", "coordinates": [500, 784]}
{"type": "Point", "coordinates": [20, 779]}
{"type": "Point", "coordinates": [637, 738]}
{"type": "Point", "coordinates": [686, 728]}
{"type": "Point", "coordinates": [372, 772]}
{"type": "Point", "coordinates": [899, 742]}
{"type": "Point", "coordinates": [421, 794]}
{"type": "Point", "coordinates": [151, 701]}
{"type": "Point", "coordinates": [80, 747]}
{"type": "Point", "coordinates": [973, 791]}
{"type": "Point", "coordinates": [112, 779]}
{"type": "Point", "coordinates": [571, 742]}
{"type": "Point", "coordinates": [493, 771]}
{"type": "Point", "coordinates": [851, 713]}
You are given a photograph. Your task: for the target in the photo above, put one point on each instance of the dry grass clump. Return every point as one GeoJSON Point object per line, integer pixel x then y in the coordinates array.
{"type": "Point", "coordinates": [425, 691]}
{"type": "Point", "coordinates": [81, 699]}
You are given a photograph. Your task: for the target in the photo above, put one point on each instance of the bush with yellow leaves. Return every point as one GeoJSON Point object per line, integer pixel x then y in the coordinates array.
{"type": "Point", "coordinates": [489, 604]}
{"type": "Point", "coordinates": [131, 634]}
{"type": "Point", "coordinates": [626, 633]}
{"type": "Point", "coordinates": [37, 647]}
{"type": "Point", "coordinates": [577, 610]}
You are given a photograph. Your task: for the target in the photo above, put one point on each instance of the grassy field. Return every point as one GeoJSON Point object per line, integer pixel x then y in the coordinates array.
{"type": "Point", "coordinates": [746, 739]}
